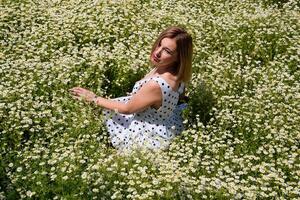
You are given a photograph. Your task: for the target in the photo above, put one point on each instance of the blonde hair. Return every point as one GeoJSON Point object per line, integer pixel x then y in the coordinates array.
{"type": "Point", "coordinates": [184, 49]}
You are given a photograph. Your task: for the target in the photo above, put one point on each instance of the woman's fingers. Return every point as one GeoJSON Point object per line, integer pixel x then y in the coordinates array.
{"type": "Point", "coordinates": [81, 93]}
{"type": "Point", "coordinates": [76, 93]}
{"type": "Point", "coordinates": [77, 90]}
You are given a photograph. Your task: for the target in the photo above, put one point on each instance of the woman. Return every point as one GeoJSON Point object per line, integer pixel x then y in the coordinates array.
{"type": "Point", "coordinates": [150, 116]}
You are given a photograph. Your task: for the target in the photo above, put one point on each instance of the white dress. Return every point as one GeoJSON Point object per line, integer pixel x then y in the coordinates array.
{"type": "Point", "coordinates": [151, 128]}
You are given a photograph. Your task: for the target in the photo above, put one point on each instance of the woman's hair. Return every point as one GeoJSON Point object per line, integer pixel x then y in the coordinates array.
{"type": "Point", "coordinates": [184, 50]}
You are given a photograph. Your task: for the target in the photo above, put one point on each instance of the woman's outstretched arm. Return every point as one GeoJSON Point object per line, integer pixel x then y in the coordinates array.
{"type": "Point", "coordinates": [148, 95]}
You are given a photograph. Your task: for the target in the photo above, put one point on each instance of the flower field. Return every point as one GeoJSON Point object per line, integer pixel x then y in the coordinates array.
{"type": "Point", "coordinates": [242, 133]}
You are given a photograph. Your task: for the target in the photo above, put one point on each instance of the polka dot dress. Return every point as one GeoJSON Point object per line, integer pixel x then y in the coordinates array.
{"type": "Point", "coordinates": [151, 128]}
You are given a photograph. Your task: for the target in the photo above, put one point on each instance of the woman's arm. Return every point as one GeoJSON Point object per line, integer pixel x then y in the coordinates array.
{"type": "Point", "coordinates": [148, 95]}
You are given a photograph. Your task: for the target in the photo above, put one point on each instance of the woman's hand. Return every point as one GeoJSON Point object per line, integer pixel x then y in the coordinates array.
{"type": "Point", "coordinates": [81, 93]}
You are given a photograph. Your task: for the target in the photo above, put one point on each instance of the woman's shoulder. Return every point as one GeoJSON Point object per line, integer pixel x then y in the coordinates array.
{"type": "Point", "coordinates": [168, 77]}
{"type": "Point", "coordinates": [171, 80]}
{"type": "Point", "coordinates": [150, 84]}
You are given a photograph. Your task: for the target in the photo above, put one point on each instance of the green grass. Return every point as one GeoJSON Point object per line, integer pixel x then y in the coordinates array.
{"type": "Point", "coordinates": [242, 122]}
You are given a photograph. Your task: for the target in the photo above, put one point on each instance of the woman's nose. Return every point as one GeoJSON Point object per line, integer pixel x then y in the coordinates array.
{"type": "Point", "coordinates": [158, 52]}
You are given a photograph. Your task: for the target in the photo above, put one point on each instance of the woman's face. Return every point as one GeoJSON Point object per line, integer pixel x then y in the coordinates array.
{"type": "Point", "coordinates": [165, 53]}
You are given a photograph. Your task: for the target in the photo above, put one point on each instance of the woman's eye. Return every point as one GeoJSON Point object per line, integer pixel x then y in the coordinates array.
{"type": "Point", "coordinates": [169, 52]}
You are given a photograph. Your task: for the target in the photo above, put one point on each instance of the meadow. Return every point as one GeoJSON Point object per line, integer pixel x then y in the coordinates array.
{"type": "Point", "coordinates": [242, 124]}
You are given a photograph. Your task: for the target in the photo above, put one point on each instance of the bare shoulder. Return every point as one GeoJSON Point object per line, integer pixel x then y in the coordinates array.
{"type": "Point", "coordinates": [152, 86]}
{"type": "Point", "coordinates": [171, 80]}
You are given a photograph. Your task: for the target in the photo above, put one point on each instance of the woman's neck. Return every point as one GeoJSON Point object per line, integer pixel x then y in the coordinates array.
{"type": "Point", "coordinates": [162, 70]}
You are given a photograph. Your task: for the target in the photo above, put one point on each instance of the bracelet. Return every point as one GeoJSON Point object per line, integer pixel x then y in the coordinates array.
{"type": "Point", "coordinates": [95, 99]}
